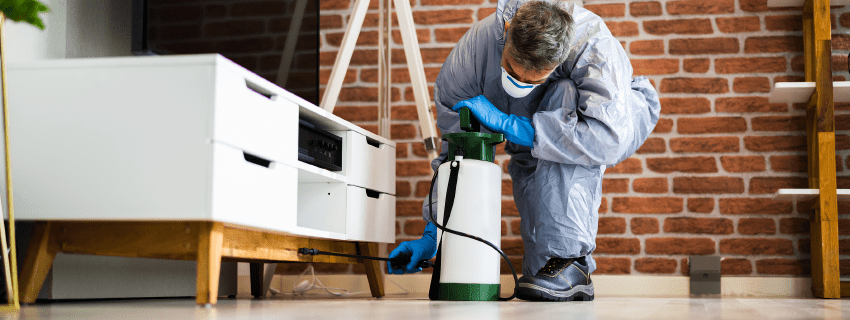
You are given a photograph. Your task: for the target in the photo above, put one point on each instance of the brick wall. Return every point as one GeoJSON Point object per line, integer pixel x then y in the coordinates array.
{"type": "Point", "coordinates": [250, 33]}
{"type": "Point", "coordinates": [701, 184]}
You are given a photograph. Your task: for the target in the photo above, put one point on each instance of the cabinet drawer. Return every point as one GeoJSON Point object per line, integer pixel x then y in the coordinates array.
{"type": "Point", "coordinates": [371, 164]}
{"type": "Point", "coordinates": [370, 215]}
{"type": "Point", "coordinates": [252, 192]}
{"type": "Point", "coordinates": [252, 116]}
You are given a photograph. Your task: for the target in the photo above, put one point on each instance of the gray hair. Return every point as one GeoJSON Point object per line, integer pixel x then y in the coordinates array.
{"type": "Point", "coordinates": [539, 34]}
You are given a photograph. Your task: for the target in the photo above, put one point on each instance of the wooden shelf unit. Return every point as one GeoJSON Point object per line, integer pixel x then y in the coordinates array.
{"type": "Point", "coordinates": [820, 134]}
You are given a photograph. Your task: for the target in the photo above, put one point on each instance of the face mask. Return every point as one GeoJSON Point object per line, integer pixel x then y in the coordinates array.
{"type": "Point", "coordinates": [515, 88]}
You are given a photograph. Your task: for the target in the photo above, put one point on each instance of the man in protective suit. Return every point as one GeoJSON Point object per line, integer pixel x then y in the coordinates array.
{"type": "Point", "coordinates": [559, 86]}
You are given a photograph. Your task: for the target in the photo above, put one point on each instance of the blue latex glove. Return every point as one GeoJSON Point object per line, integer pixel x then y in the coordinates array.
{"type": "Point", "coordinates": [417, 250]}
{"type": "Point", "coordinates": [516, 129]}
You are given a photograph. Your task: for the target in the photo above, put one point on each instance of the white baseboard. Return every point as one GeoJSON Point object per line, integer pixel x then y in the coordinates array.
{"type": "Point", "coordinates": [605, 285]}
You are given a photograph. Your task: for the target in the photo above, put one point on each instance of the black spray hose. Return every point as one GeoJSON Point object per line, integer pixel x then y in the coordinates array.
{"type": "Point", "coordinates": [504, 256]}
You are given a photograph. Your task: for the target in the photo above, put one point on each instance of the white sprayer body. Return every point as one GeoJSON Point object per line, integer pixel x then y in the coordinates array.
{"type": "Point", "coordinates": [477, 211]}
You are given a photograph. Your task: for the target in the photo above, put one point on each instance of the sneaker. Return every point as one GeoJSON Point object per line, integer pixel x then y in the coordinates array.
{"type": "Point", "coordinates": [559, 280]}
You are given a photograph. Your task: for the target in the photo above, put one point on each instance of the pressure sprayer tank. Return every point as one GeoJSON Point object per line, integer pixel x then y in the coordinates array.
{"type": "Point", "coordinates": [469, 268]}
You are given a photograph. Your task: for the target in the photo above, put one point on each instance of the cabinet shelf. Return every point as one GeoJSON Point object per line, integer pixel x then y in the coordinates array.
{"type": "Point", "coordinates": [806, 194]}
{"type": "Point", "coordinates": [797, 92]}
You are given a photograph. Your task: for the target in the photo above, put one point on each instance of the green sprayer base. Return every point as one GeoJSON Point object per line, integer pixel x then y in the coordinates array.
{"type": "Point", "coordinates": [469, 292]}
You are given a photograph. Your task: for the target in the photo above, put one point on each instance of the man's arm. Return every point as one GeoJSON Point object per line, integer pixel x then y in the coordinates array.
{"type": "Point", "coordinates": [609, 120]}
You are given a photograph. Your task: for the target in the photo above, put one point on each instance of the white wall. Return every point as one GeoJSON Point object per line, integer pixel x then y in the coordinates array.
{"type": "Point", "coordinates": [74, 29]}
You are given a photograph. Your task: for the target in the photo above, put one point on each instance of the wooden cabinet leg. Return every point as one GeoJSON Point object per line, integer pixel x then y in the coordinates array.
{"type": "Point", "coordinates": [825, 268]}
{"type": "Point", "coordinates": [210, 239]}
{"type": "Point", "coordinates": [40, 255]}
{"type": "Point", "coordinates": [256, 270]}
{"type": "Point", "coordinates": [373, 268]}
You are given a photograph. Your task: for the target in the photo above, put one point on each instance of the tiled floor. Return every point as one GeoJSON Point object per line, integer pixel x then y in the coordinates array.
{"type": "Point", "coordinates": [401, 308]}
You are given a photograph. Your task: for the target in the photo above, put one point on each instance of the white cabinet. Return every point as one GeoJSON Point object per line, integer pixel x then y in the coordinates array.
{"type": "Point", "coordinates": [169, 138]}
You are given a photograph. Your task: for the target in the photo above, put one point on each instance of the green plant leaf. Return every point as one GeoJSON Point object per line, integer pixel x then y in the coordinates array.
{"type": "Point", "coordinates": [24, 10]}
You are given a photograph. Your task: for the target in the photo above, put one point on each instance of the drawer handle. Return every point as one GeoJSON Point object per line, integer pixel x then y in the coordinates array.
{"type": "Point", "coordinates": [373, 142]}
{"type": "Point", "coordinates": [373, 194]}
{"type": "Point", "coordinates": [260, 90]}
{"type": "Point", "coordinates": [257, 160]}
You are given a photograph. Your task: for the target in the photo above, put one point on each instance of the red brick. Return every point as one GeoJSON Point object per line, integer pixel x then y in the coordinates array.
{"type": "Point", "coordinates": [765, 185]}
{"type": "Point", "coordinates": [663, 126]}
{"type": "Point", "coordinates": [415, 227]}
{"type": "Point", "coordinates": [761, 6]}
{"type": "Point", "coordinates": [327, 21]}
{"type": "Point", "coordinates": [647, 47]}
{"type": "Point", "coordinates": [605, 265]}
{"type": "Point", "coordinates": [751, 85]}
{"type": "Point", "coordinates": [422, 36]}
{"type": "Point", "coordinates": [515, 226]}
{"type": "Point", "coordinates": [773, 44]}
{"type": "Point", "coordinates": [422, 188]}
{"type": "Point", "coordinates": [650, 185]}
{"type": "Point", "coordinates": [754, 206]}
{"type": "Point", "coordinates": [408, 208]}
{"type": "Point", "coordinates": [704, 125]}
{"type": "Point", "coordinates": [623, 28]}
{"type": "Point", "coordinates": [413, 168]}
{"type": "Point", "coordinates": [617, 245]}
{"type": "Point", "coordinates": [789, 163]}
{"type": "Point", "coordinates": [655, 66]}
{"type": "Point", "coordinates": [752, 226]}
{"type": "Point", "coordinates": [704, 46]}
{"type": "Point", "coordinates": [485, 12]}
{"type": "Point", "coordinates": [643, 9]}
{"type": "Point", "coordinates": [429, 55]}
{"type": "Point", "coordinates": [516, 262]}
{"type": "Point", "coordinates": [793, 226]}
{"type": "Point", "coordinates": [451, 35]}
{"type": "Point", "coordinates": [748, 104]}
{"type": "Point", "coordinates": [644, 225]}
{"type": "Point", "coordinates": [509, 209]}
{"type": "Point", "coordinates": [682, 164]}
{"type": "Point", "coordinates": [422, 17]}
{"type": "Point", "coordinates": [730, 267]}
{"type": "Point", "coordinates": [714, 144]}
{"type": "Point", "coordinates": [615, 185]}
{"type": "Point", "coordinates": [350, 77]}
{"type": "Point", "coordinates": [334, 4]}
{"type": "Point", "coordinates": [700, 65]}
{"type": "Point", "coordinates": [679, 26]}
{"type": "Point", "coordinates": [841, 42]}
{"type": "Point", "coordinates": [612, 225]}
{"type": "Point", "coordinates": [756, 246]}
{"type": "Point", "coordinates": [357, 113]}
{"type": "Point", "coordinates": [784, 23]}
{"type": "Point", "coordinates": [652, 145]}
{"type": "Point", "coordinates": [701, 7]}
{"type": "Point", "coordinates": [244, 45]}
{"type": "Point", "coordinates": [701, 205]}
{"type": "Point", "coordinates": [842, 122]}
{"type": "Point", "coordinates": [690, 246]}
{"type": "Point", "coordinates": [713, 185]}
{"type": "Point", "coordinates": [784, 267]}
{"type": "Point", "coordinates": [630, 165]}
{"type": "Point", "coordinates": [742, 163]}
{"type": "Point", "coordinates": [656, 265]}
{"type": "Point", "coordinates": [750, 65]}
{"type": "Point", "coordinates": [419, 150]}
{"type": "Point", "coordinates": [608, 10]}
{"type": "Point", "coordinates": [738, 24]}
{"type": "Point", "coordinates": [694, 85]}
{"type": "Point", "coordinates": [647, 205]}
{"type": "Point", "coordinates": [402, 131]}
{"type": "Point", "coordinates": [775, 143]}
{"type": "Point", "coordinates": [698, 225]}
{"type": "Point", "coordinates": [603, 207]}
{"type": "Point", "coordinates": [507, 187]}
{"type": "Point", "coordinates": [402, 189]}
{"type": "Point", "coordinates": [685, 105]}
{"type": "Point", "coordinates": [512, 247]}
{"type": "Point", "coordinates": [401, 151]}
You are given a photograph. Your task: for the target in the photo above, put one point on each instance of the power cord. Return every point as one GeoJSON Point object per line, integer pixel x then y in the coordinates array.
{"type": "Point", "coordinates": [304, 286]}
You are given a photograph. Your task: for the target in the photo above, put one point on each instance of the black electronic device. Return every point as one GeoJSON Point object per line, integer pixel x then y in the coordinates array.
{"type": "Point", "coordinates": [319, 147]}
